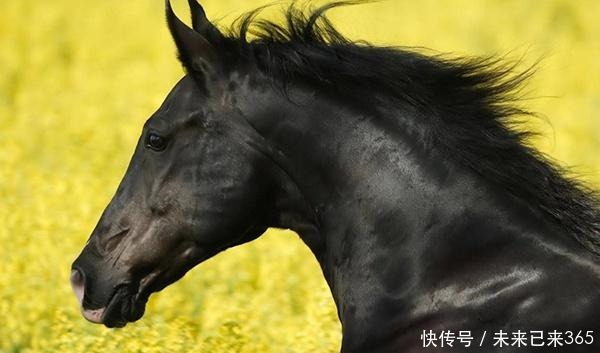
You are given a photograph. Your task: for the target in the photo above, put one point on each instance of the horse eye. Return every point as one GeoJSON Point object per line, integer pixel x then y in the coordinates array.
{"type": "Point", "coordinates": [156, 142]}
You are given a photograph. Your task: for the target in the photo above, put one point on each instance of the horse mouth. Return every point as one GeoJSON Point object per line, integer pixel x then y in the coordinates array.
{"type": "Point", "coordinates": [122, 307]}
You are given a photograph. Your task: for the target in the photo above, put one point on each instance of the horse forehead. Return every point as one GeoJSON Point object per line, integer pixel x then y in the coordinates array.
{"type": "Point", "coordinates": [184, 97]}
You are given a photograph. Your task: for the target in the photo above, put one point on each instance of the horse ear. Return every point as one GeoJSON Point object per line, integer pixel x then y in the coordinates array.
{"type": "Point", "coordinates": [199, 57]}
{"type": "Point", "coordinates": [202, 25]}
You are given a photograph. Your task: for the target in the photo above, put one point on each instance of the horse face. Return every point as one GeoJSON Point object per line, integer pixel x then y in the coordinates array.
{"type": "Point", "coordinates": [195, 186]}
{"type": "Point", "coordinates": [191, 190]}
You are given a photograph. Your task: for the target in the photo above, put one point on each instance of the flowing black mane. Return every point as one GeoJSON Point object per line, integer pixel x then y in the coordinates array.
{"type": "Point", "coordinates": [472, 102]}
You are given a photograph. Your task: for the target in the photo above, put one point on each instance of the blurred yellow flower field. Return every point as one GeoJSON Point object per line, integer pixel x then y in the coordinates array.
{"type": "Point", "coordinates": [79, 78]}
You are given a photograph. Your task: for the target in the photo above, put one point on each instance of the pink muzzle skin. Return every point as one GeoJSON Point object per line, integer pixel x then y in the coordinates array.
{"type": "Point", "coordinates": [78, 285]}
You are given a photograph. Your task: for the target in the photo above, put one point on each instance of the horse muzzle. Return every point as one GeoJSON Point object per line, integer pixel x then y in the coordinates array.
{"type": "Point", "coordinates": [122, 306]}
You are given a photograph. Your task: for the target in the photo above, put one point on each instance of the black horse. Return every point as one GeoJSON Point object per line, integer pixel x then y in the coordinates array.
{"type": "Point", "coordinates": [434, 223]}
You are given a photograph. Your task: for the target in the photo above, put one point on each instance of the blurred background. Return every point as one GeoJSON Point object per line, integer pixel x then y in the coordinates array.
{"type": "Point", "coordinates": [79, 78]}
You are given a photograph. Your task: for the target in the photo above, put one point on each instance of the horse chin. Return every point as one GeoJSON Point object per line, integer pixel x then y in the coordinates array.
{"type": "Point", "coordinates": [122, 308]}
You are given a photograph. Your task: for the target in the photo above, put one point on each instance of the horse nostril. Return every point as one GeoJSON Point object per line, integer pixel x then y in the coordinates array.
{"type": "Point", "coordinates": [78, 284]}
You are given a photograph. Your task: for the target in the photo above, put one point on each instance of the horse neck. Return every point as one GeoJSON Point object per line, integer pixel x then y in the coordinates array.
{"type": "Point", "coordinates": [385, 215]}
